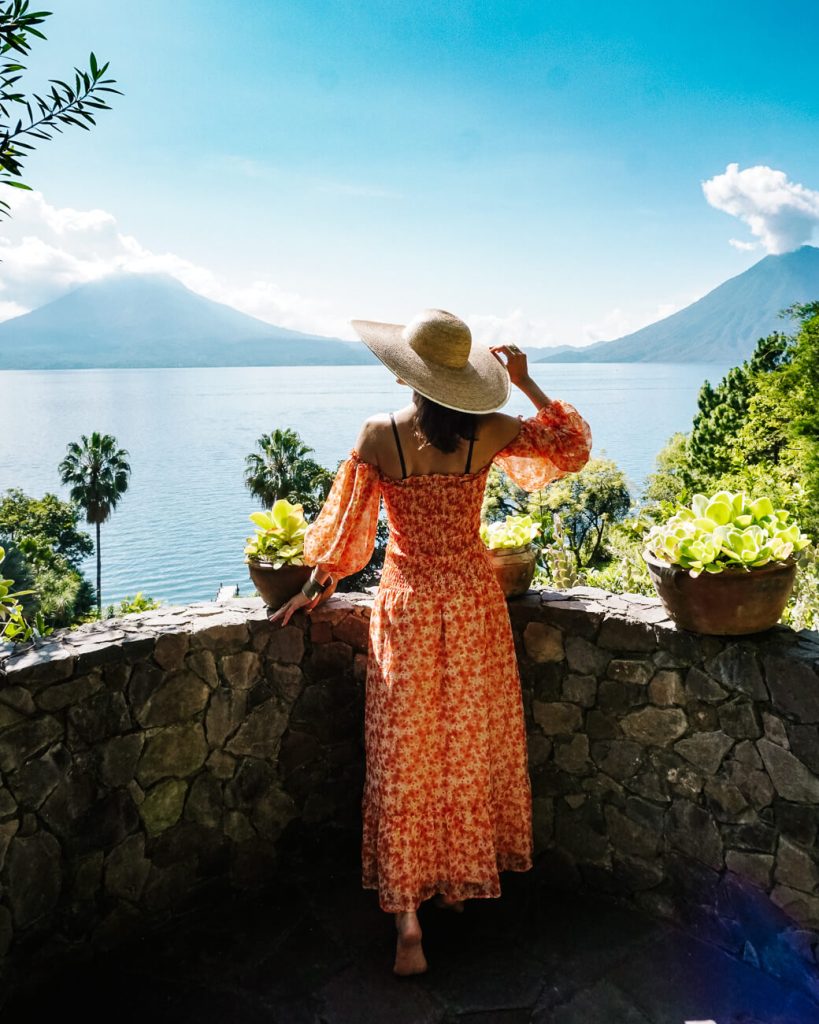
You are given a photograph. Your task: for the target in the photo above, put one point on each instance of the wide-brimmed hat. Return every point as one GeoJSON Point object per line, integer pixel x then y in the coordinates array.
{"type": "Point", "coordinates": [435, 354]}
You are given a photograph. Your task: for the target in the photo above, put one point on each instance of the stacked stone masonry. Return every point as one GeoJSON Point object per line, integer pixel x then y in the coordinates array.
{"type": "Point", "coordinates": [145, 758]}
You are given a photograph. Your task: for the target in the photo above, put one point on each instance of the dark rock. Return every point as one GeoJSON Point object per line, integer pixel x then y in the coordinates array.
{"type": "Point", "coordinates": [736, 668]}
{"type": "Point", "coordinates": [260, 733]}
{"type": "Point", "coordinates": [204, 803]}
{"type": "Point", "coordinates": [753, 783]}
{"type": "Point", "coordinates": [26, 739]}
{"type": "Point", "coordinates": [240, 670]}
{"type": "Point", "coordinates": [586, 658]}
{"type": "Point", "coordinates": [797, 821]}
{"type": "Point", "coordinates": [614, 695]}
{"type": "Point", "coordinates": [35, 877]}
{"type": "Point", "coordinates": [127, 869]}
{"type": "Point", "coordinates": [622, 633]}
{"type": "Point", "coordinates": [752, 835]}
{"type": "Point", "coordinates": [666, 687]}
{"type": "Point", "coordinates": [75, 793]}
{"type": "Point", "coordinates": [177, 750]}
{"type": "Point", "coordinates": [107, 822]}
{"type": "Point", "coordinates": [162, 806]}
{"type": "Point", "coordinates": [546, 680]}
{"type": "Point", "coordinates": [790, 777]}
{"type": "Point", "coordinates": [543, 642]}
{"type": "Point", "coordinates": [739, 718]}
{"type": "Point", "coordinates": [32, 783]}
{"type": "Point", "coordinates": [181, 696]}
{"type": "Point", "coordinates": [288, 680]}
{"type": "Point", "coordinates": [297, 748]}
{"type": "Point", "coordinates": [577, 618]}
{"type": "Point", "coordinates": [701, 717]}
{"type": "Point", "coordinates": [170, 650]}
{"type": "Point", "coordinates": [630, 671]}
{"type": "Point", "coordinates": [647, 813]}
{"type": "Point", "coordinates": [702, 686]}
{"type": "Point", "coordinates": [103, 715]}
{"type": "Point", "coordinates": [119, 757]}
{"type": "Point", "coordinates": [580, 690]}
{"type": "Point", "coordinates": [353, 630]}
{"type": "Point", "coordinates": [690, 828]}
{"type": "Point", "coordinates": [145, 679]}
{"type": "Point", "coordinates": [286, 644]}
{"type": "Point", "coordinates": [756, 867]}
{"type": "Point", "coordinates": [225, 714]}
{"type": "Point", "coordinates": [705, 750]}
{"type": "Point", "coordinates": [17, 697]}
{"type": "Point", "coordinates": [54, 698]}
{"type": "Point", "coordinates": [618, 758]}
{"type": "Point", "coordinates": [557, 718]}
{"type": "Point", "coordinates": [655, 726]}
{"type": "Point", "coordinates": [602, 726]}
{"type": "Point", "coordinates": [203, 663]}
{"type": "Point", "coordinates": [8, 830]}
{"type": "Point", "coordinates": [629, 836]}
{"type": "Point", "coordinates": [634, 873]}
{"type": "Point", "coordinates": [725, 800]}
{"type": "Point", "coordinates": [573, 755]}
{"type": "Point", "coordinates": [794, 687]}
{"type": "Point", "coordinates": [329, 660]}
{"type": "Point", "coordinates": [795, 866]}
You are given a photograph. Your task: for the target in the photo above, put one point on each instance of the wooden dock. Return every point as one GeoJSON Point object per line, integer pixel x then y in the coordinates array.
{"type": "Point", "coordinates": [225, 593]}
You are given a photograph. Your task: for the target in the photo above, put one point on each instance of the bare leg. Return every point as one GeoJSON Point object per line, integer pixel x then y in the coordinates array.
{"type": "Point", "coordinates": [409, 954]}
{"type": "Point", "coordinates": [447, 903]}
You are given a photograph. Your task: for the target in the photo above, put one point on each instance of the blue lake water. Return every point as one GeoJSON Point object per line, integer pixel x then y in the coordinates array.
{"type": "Point", "coordinates": [180, 529]}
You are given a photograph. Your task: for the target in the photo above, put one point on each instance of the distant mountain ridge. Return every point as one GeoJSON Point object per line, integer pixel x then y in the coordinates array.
{"type": "Point", "coordinates": [721, 327]}
{"type": "Point", "coordinates": [151, 320]}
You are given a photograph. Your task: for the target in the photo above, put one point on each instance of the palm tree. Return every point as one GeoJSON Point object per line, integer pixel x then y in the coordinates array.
{"type": "Point", "coordinates": [98, 474]}
{"type": "Point", "coordinates": [284, 469]}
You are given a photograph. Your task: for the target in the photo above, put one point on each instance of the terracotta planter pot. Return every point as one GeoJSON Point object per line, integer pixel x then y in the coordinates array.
{"type": "Point", "coordinates": [277, 586]}
{"type": "Point", "coordinates": [729, 603]}
{"type": "Point", "coordinates": [514, 567]}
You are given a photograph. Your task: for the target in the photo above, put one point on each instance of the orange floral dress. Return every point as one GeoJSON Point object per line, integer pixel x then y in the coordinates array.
{"type": "Point", "coordinates": [447, 801]}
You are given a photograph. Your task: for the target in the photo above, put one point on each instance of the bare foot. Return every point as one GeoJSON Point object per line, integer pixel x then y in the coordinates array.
{"type": "Point", "coordinates": [409, 954]}
{"type": "Point", "coordinates": [447, 903]}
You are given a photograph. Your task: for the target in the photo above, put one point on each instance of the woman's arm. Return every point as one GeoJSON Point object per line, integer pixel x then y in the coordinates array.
{"type": "Point", "coordinates": [518, 368]}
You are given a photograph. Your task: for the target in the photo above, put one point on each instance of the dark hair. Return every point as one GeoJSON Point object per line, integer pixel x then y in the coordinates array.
{"type": "Point", "coordinates": [442, 427]}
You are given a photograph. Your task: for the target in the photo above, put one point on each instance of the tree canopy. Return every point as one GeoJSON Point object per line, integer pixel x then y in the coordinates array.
{"type": "Point", "coordinates": [28, 119]}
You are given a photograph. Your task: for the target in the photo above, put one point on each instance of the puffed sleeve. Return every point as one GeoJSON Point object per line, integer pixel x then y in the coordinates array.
{"type": "Point", "coordinates": [550, 444]}
{"type": "Point", "coordinates": [341, 538]}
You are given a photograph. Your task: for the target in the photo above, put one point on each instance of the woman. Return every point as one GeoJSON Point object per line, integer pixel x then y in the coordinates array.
{"type": "Point", "coordinates": [447, 801]}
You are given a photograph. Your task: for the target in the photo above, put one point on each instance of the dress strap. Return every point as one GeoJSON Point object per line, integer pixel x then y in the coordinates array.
{"type": "Point", "coordinates": [469, 456]}
{"type": "Point", "coordinates": [398, 443]}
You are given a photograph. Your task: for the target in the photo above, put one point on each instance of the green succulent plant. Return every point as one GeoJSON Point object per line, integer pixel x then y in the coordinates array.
{"type": "Point", "coordinates": [513, 532]}
{"type": "Point", "coordinates": [725, 530]}
{"type": "Point", "coordinates": [279, 537]}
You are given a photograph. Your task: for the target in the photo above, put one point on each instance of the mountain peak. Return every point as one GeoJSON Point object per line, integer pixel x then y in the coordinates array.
{"type": "Point", "coordinates": [133, 320]}
{"type": "Point", "coordinates": [723, 326]}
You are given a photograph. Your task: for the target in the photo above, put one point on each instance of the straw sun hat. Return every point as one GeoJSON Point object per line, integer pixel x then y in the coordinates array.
{"type": "Point", "coordinates": [435, 354]}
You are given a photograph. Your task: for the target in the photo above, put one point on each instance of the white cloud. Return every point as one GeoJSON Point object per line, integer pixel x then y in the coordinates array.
{"type": "Point", "coordinates": [617, 322]}
{"type": "Point", "coordinates": [782, 214]}
{"type": "Point", "coordinates": [744, 246]}
{"type": "Point", "coordinates": [47, 251]}
{"type": "Point", "coordinates": [514, 328]}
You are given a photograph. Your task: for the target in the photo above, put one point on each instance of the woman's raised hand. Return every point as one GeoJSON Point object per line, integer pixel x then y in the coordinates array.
{"type": "Point", "coordinates": [516, 362]}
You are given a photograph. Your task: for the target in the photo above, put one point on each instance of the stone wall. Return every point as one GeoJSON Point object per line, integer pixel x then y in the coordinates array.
{"type": "Point", "coordinates": [145, 759]}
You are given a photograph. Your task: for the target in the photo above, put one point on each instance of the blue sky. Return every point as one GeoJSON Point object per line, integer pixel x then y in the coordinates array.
{"type": "Point", "coordinates": [536, 168]}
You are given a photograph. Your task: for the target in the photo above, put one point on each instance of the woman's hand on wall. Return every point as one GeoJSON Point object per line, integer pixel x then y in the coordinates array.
{"type": "Point", "coordinates": [289, 607]}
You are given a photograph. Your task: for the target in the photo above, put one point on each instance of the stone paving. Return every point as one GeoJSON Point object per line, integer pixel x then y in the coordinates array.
{"type": "Point", "coordinates": [318, 950]}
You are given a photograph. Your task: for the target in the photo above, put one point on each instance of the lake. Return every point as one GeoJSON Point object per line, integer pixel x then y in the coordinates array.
{"type": "Point", "coordinates": [179, 531]}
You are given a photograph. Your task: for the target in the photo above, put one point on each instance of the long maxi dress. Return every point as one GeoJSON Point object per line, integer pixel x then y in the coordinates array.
{"type": "Point", "coordinates": [447, 801]}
